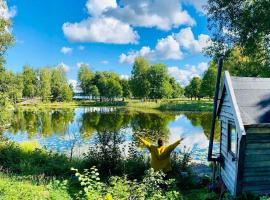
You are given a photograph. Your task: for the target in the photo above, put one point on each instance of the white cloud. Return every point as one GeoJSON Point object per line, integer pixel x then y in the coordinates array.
{"type": "Point", "coordinates": [97, 7]}
{"type": "Point", "coordinates": [5, 11]}
{"type": "Point", "coordinates": [171, 47]}
{"type": "Point", "coordinates": [81, 48]}
{"type": "Point", "coordinates": [110, 22]}
{"type": "Point", "coordinates": [63, 66]}
{"type": "Point", "coordinates": [197, 4]}
{"type": "Point", "coordinates": [105, 62]}
{"type": "Point", "coordinates": [183, 76]}
{"type": "Point", "coordinates": [66, 50]}
{"type": "Point", "coordinates": [79, 64]}
{"type": "Point", "coordinates": [162, 14]}
{"type": "Point", "coordinates": [104, 30]}
{"type": "Point", "coordinates": [166, 48]}
{"type": "Point", "coordinates": [186, 39]}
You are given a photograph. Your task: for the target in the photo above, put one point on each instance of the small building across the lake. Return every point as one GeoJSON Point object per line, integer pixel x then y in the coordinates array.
{"type": "Point", "coordinates": [244, 113]}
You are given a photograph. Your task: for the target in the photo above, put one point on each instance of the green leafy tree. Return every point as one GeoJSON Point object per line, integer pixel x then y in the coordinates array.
{"type": "Point", "coordinates": [140, 85]}
{"type": "Point", "coordinates": [243, 24]}
{"type": "Point", "coordinates": [85, 77]}
{"type": "Point", "coordinates": [113, 88]}
{"type": "Point", "coordinates": [193, 89]}
{"type": "Point", "coordinates": [29, 82]}
{"type": "Point", "coordinates": [6, 39]}
{"type": "Point", "coordinates": [60, 89]}
{"type": "Point", "coordinates": [177, 90]}
{"type": "Point", "coordinates": [159, 79]}
{"type": "Point", "coordinates": [126, 88]}
{"type": "Point", "coordinates": [45, 83]}
{"type": "Point", "coordinates": [208, 82]}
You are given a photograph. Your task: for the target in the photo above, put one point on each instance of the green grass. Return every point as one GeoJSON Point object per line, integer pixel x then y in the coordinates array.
{"type": "Point", "coordinates": [163, 105]}
{"type": "Point", "coordinates": [13, 188]}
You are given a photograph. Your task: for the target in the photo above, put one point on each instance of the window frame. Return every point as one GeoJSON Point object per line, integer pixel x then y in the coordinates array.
{"type": "Point", "coordinates": [231, 126]}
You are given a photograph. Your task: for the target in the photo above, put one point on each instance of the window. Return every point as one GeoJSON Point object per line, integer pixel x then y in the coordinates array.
{"type": "Point", "coordinates": [232, 139]}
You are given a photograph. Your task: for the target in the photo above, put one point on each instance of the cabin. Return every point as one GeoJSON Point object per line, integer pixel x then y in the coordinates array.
{"type": "Point", "coordinates": [243, 109]}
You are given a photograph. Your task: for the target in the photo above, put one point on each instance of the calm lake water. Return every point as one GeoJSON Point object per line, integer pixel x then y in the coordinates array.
{"type": "Point", "coordinates": [75, 130]}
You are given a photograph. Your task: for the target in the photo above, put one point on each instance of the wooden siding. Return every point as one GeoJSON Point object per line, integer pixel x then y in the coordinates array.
{"type": "Point", "coordinates": [256, 177]}
{"type": "Point", "coordinates": [228, 171]}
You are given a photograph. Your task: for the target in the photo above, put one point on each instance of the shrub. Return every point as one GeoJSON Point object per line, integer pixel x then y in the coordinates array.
{"type": "Point", "coordinates": [120, 188]}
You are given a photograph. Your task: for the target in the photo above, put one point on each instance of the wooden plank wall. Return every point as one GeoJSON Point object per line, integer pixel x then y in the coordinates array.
{"type": "Point", "coordinates": [228, 171]}
{"type": "Point", "coordinates": [256, 177]}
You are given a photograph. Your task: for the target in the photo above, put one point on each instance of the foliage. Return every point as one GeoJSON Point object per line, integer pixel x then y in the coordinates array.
{"type": "Point", "coordinates": [121, 188]}
{"type": "Point", "coordinates": [187, 106]}
{"type": "Point", "coordinates": [193, 89]}
{"type": "Point", "coordinates": [27, 160]}
{"type": "Point", "coordinates": [85, 77]}
{"type": "Point", "coordinates": [45, 84]}
{"type": "Point", "coordinates": [6, 39]}
{"type": "Point", "coordinates": [207, 88]}
{"type": "Point", "coordinates": [29, 82]}
{"type": "Point", "coordinates": [241, 24]}
{"type": "Point", "coordinates": [60, 89]}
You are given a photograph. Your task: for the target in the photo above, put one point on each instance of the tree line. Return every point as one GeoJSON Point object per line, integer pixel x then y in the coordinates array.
{"type": "Point", "coordinates": [147, 81]}
{"type": "Point", "coordinates": [45, 83]}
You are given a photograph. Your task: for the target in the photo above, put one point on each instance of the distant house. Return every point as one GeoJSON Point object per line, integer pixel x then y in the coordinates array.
{"type": "Point", "coordinates": [244, 113]}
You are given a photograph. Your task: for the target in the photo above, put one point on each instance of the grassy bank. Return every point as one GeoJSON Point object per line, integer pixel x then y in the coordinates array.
{"type": "Point", "coordinates": [163, 105]}
{"type": "Point", "coordinates": [29, 172]}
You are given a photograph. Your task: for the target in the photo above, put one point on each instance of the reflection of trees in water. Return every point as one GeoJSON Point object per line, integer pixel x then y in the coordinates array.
{"type": "Point", "coordinates": [109, 121]}
{"type": "Point", "coordinates": [43, 122]}
{"type": "Point", "coordinates": [152, 126]}
{"type": "Point", "coordinates": [203, 119]}
{"type": "Point", "coordinates": [61, 119]}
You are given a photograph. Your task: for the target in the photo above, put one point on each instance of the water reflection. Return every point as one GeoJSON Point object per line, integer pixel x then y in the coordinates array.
{"type": "Point", "coordinates": [72, 131]}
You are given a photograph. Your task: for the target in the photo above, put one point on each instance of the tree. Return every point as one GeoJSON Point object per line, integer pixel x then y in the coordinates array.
{"type": "Point", "coordinates": [244, 25]}
{"type": "Point", "coordinates": [45, 83]}
{"type": "Point", "coordinates": [85, 77]}
{"type": "Point", "coordinates": [126, 88]}
{"type": "Point", "coordinates": [60, 89]}
{"type": "Point", "coordinates": [6, 39]}
{"type": "Point", "coordinates": [140, 86]}
{"type": "Point", "coordinates": [193, 89]}
{"type": "Point", "coordinates": [159, 80]}
{"type": "Point", "coordinates": [208, 82]}
{"type": "Point", "coordinates": [29, 82]}
{"type": "Point", "coordinates": [113, 88]}
{"type": "Point", "coordinates": [94, 91]}
{"type": "Point", "coordinates": [178, 91]}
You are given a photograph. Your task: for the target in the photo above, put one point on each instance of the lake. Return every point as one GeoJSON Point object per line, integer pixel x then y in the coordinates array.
{"type": "Point", "coordinates": [73, 131]}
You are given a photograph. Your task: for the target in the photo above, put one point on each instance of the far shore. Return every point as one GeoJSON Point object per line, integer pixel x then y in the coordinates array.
{"type": "Point", "coordinates": [183, 104]}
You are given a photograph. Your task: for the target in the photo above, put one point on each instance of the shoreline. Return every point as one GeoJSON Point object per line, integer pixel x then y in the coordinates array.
{"type": "Point", "coordinates": [161, 105]}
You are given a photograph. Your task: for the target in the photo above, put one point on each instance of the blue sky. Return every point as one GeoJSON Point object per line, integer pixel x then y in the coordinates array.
{"type": "Point", "coordinates": [108, 34]}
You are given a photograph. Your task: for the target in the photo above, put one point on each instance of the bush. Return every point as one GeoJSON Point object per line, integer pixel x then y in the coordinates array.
{"type": "Point", "coordinates": [120, 188]}
{"type": "Point", "coordinates": [28, 159]}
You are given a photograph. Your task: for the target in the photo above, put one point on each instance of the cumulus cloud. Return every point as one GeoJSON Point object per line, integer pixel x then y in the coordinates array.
{"type": "Point", "coordinates": [112, 22]}
{"type": "Point", "coordinates": [97, 7]}
{"type": "Point", "coordinates": [183, 76]}
{"type": "Point", "coordinates": [102, 29]}
{"type": "Point", "coordinates": [80, 64]}
{"type": "Point", "coordinates": [66, 50]}
{"type": "Point", "coordinates": [197, 4]}
{"type": "Point", "coordinates": [186, 39]}
{"type": "Point", "coordinates": [162, 14]}
{"type": "Point", "coordinates": [5, 11]}
{"type": "Point", "coordinates": [170, 48]}
{"type": "Point", "coordinates": [63, 67]}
